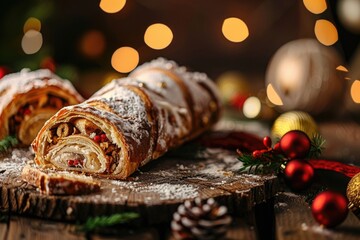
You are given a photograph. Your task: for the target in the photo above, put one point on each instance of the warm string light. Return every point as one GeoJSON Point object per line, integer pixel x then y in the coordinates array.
{"type": "Point", "coordinates": [252, 107]}
{"type": "Point", "coordinates": [325, 32]}
{"type": "Point", "coordinates": [32, 40]}
{"type": "Point", "coordinates": [315, 6]}
{"type": "Point", "coordinates": [32, 24]}
{"type": "Point", "coordinates": [158, 36]}
{"type": "Point", "coordinates": [125, 59]}
{"type": "Point", "coordinates": [235, 29]}
{"type": "Point", "coordinates": [355, 91]}
{"type": "Point", "coordinates": [112, 6]}
{"type": "Point", "coordinates": [273, 96]}
{"type": "Point", "coordinates": [342, 68]}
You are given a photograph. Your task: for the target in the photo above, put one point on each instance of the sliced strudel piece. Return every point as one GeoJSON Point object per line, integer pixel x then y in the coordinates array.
{"type": "Point", "coordinates": [28, 99]}
{"type": "Point", "coordinates": [59, 183]}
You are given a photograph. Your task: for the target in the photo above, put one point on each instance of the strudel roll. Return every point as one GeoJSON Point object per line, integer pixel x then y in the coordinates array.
{"type": "Point", "coordinates": [129, 121]}
{"type": "Point", "coordinates": [29, 98]}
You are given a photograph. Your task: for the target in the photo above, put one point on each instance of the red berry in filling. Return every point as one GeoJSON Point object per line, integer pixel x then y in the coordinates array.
{"type": "Point", "coordinates": [27, 111]}
{"type": "Point", "coordinates": [103, 137]}
{"type": "Point", "coordinates": [97, 138]}
{"type": "Point", "coordinates": [70, 163]}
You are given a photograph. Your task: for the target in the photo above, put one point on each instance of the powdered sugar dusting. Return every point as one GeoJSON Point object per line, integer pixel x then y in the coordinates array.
{"type": "Point", "coordinates": [165, 191]}
{"type": "Point", "coordinates": [13, 162]}
{"type": "Point", "coordinates": [25, 80]}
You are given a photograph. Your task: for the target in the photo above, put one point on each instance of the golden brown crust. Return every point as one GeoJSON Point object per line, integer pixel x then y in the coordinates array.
{"type": "Point", "coordinates": [142, 118]}
{"type": "Point", "coordinates": [41, 92]}
{"type": "Point", "coordinates": [52, 183]}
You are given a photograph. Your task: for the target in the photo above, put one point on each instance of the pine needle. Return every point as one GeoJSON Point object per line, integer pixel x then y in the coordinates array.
{"type": "Point", "coordinates": [317, 146]}
{"type": "Point", "coordinates": [107, 221]}
{"type": "Point", "coordinates": [7, 143]}
{"type": "Point", "coordinates": [265, 164]}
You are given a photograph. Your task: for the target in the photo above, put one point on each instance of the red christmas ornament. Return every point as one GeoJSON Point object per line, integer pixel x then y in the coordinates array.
{"type": "Point", "coordinates": [277, 147]}
{"type": "Point", "coordinates": [329, 208]}
{"type": "Point", "coordinates": [295, 144]}
{"type": "Point", "coordinates": [298, 174]}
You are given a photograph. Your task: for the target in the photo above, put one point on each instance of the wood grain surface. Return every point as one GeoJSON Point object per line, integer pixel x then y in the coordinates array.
{"type": "Point", "coordinates": [154, 191]}
{"type": "Point", "coordinates": [294, 221]}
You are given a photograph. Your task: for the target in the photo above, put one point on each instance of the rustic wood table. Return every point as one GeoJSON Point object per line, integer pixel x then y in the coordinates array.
{"type": "Point", "coordinates": [263, 209]}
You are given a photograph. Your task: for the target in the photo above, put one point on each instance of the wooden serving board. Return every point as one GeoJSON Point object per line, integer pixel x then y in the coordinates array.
{"type": "Point", "coordinates": [154, 191]}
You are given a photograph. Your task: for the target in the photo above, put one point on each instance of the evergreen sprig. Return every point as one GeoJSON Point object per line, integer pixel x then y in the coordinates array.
{"type": "Point", "coordinates": [107, 221]}
{"type": "Point", "coordinates": [8, 142]}
{"type": "Point", "coordinates": [267, 163]}
{"type": "Point", "coordinates": [271, 160]}
{"type": "Point", "coordinates": [317, 146]}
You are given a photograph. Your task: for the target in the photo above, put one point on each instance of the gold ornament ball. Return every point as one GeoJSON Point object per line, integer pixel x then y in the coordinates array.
{"type": "Point", "coordinates": [294, 120]}
{"type": "Point", "coordinates": [353, 194]}
{"type": "Point", "coordinates": [230, 84]}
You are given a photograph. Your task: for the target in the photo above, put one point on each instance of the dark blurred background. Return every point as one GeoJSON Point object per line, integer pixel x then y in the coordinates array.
{"type": "Point", "coordinates": [77, 39]}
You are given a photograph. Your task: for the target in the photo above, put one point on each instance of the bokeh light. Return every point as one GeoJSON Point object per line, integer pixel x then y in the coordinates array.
{"type": "Point", "coordinates": [92, 44]}
{"type": "Point", "coordinates": [158, 36]}
{"type": "Point", "coordinates": [31, 42]}
{"type": "Point", "coordinates": [349, 14]}
{"type": "Point", "coordinates": [326, 32]}
{"type": "Point", "coordinates": [341, 68]}
{"type": "Point", "coordinates": [315, 6]}
{"type": "Point", "coordinates": [32, 24]}
{"type": "Point", "coordinates": [252, 107]}
{"type": "Point", "coordinates": [112, 6]}
{"type": "Point", "coordinates": [235, 29]}
{"type": "Point", "coordinates": [125, 59]}
{"type": "Point", "coordinates": [355, 91]}
{"type": "Point", "coordinates": [273, 96]}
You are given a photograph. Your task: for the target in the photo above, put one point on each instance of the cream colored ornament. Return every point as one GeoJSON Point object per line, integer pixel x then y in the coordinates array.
{"type": "Point", "coordinates": [349, 14]}
{"type": "Point", "coordinates": [303, 74]}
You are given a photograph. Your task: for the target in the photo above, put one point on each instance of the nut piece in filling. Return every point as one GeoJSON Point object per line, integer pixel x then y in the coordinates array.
{"type": "Point", "coordinates": [88, 141]}
{"type": "Point", "coordinates": [31, 116]}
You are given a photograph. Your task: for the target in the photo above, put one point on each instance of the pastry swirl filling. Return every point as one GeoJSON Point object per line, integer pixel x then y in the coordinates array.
{"type": "Point", "coordinates": [129, 122]}
{"type": "Point", "coordinates": [31, 116]}
{"type": "Point", "coordinates": [80, 145]}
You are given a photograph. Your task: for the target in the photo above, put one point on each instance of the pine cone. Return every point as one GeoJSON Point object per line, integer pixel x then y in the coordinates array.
{"type": "Point", "coordinates": [197, 220]}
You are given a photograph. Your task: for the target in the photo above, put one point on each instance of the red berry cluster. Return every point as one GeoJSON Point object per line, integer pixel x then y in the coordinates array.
{"type": "Point", "coordinates": [292, 148]}
{"type": "Point", "coordinates": [100, 138]}
{"type": "Point", "coordinates": [268, 151]}
{"type": "Point", "coordinates": [75, 163]}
